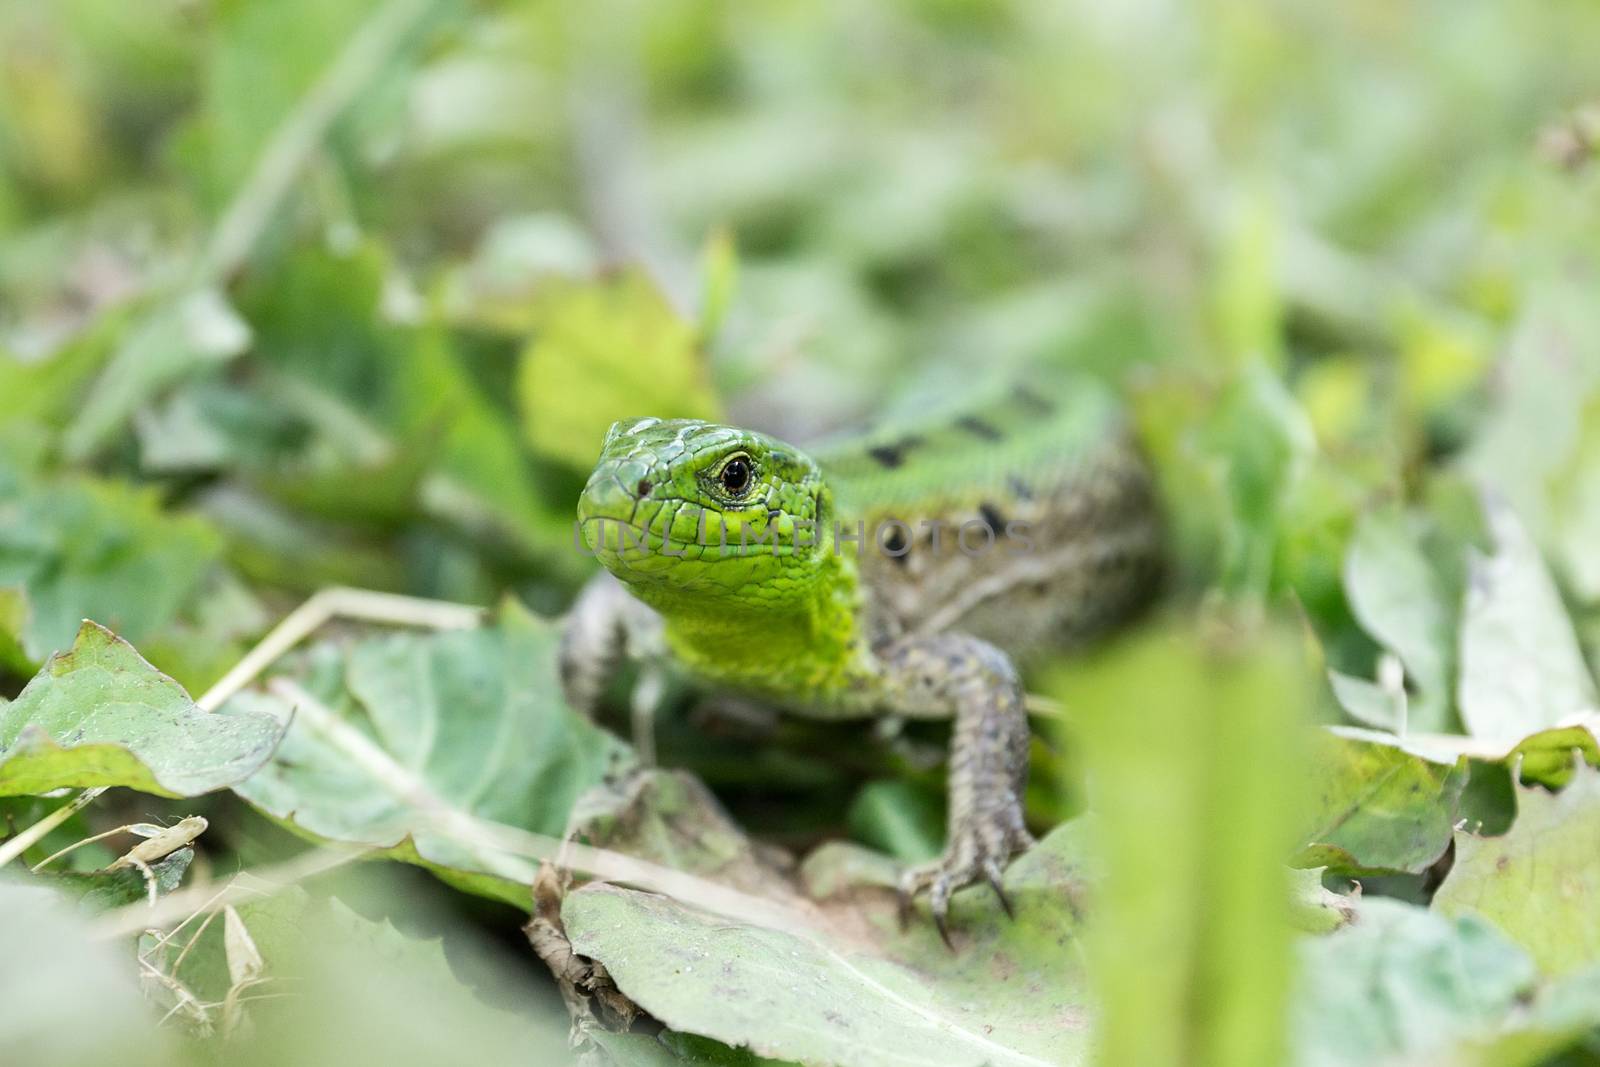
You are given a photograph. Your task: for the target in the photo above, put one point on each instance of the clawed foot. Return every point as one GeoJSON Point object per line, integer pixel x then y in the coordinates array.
{"type": "Point", "coordinates": [978, 850]}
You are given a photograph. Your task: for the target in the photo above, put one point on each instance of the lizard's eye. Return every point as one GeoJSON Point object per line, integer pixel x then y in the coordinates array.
{"type": "Point", "coordinates": [735, 475]}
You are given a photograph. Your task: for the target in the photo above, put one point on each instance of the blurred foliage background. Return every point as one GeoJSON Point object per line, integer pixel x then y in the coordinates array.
{"type": "Point", "coordinates": [299, 293]}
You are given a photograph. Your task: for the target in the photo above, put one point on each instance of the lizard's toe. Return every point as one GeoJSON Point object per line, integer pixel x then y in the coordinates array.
{"type": "Point", "coordinates": [936, 881]}
{"type": "Point", "coordinates": [994, 872]}
{"type": "Point", "coordinates": [977, 852]}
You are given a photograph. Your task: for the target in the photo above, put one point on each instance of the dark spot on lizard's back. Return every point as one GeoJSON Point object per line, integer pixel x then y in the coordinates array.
{"type": "Point", "coordinates": [978, 428]}
{"type": "Point", "coordinates": [1019, 489]}
{"type": "Point", "coordinates": [892, 455]}
{"type": "Point", "coordinates": [1031, 401]}
{"type": "Point", "coordinates": [894, 546]}
{"type": "Point", "coordinates": [992, 516]}
{"type": "Point", "coordinates": [886, 456]}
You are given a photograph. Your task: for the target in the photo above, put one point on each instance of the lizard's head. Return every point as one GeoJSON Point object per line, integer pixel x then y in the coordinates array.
{"type": "Point", "coordinates": [679, 508]}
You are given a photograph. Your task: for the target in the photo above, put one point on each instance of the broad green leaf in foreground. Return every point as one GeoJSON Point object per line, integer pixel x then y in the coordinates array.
{"type": "Point", "coordinates": [410, 740]}
{"type": "Point", "coordinates": [99, 715]}
{"type": "Point", "coordinates": [1521, 667]}
{"type": "Point", "coordinates": [1539, 881]}
{"type": "Point", "coordinates": [69, 999]}
{"type": "Point", "coordinates": [1403, 986]}
{"type": "Point", "coordinates": [853, 990]}
{"type": "Point", "coordinates": [1374, 806]}
{"type": "Point", "coordinates": [312, 980]}
{"type": "Point", "coordinates": [606, 351]}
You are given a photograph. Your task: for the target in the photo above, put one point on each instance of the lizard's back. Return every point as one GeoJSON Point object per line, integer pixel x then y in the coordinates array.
{"type": "Point", "coordinates": [1073, 539]}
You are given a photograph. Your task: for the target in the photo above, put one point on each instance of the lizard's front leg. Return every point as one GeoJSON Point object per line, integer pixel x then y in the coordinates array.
{"type": "Point", "coordinates": [605, 626]}
{"type": "Point", "coordinates": [952, 674]}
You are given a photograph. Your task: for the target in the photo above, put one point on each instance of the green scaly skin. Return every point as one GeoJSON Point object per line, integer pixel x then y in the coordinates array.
{"type": "Point", "coordinates": [755, 586]}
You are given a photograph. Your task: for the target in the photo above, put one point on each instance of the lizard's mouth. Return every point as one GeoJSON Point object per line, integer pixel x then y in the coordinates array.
{"type": "Point", "coordinates": [617, 521]}
{"type": "Point", "coordinates": [706, 536]}
{"type": "Point", "coordinates": [634, 534]}
{"type": "Point", "coordinates": [636, 520]}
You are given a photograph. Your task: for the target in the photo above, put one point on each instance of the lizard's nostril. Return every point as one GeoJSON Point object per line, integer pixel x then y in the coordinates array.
{"type": "Point", "coordinates": [643, 488]}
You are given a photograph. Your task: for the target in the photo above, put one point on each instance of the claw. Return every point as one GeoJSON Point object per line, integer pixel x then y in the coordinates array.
{"type": "Point", "coordinates": [995, 876]}
{"type": "Point", "coordinates": [1005, 901]}
{"type": "Point", "coordinates": [941, 925]}
{"type": "Point", "coordinates": [971, 858]}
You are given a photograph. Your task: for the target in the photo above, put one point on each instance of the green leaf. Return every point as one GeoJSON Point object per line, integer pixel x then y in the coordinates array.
{"type": "Point", "coordinates": [1374, 806]}
{"type": "Point", "coordinates": [480, 479]}
{"type": "Point", "coordinates": [82, 548]}
{"type": "Point", "coordinates": [1403, 985]}
{"type": "Point", "coordinates": [1316, 909]}
{"type": "Point", "coordinates": [901, 818]}
{"type": "Point", "coordinates": [1521, 667]}
{"type": "Point", "coordinates": [672, 819]}
{"type": "Point", "coordinates": [414, 737]}
{"type": "Point", "coordinates": [105, 889]}
{"type": "Point", "coordinates": [1538, 882]}
{"type": "Point", "coordinates": [605, 351]}
{"type": "Point", "coordinates": [1190, 932]}
{"type": "Point", "coordinates": [1009, 996]}
{"type": "Point", "coordinates": [397, 425]}
{"type": "Point", "coordinates": [496, 290]}
{"type": "Point", "coordinates": [48, 391]}
{"type": "Point", "coordinates": [1261, 442]}
{"type": "Point", "coordinates": [180, 335]}
{"type": "Point", "coordinates": [1370, 703]}
{"type": "Point", "coordinates": [1543, 756]}
{"type": "Point", "coordinates": [296, 979]}
{"type": "Point", "coordinates": [1562, 1016]}
{"type": "Point", "coordinates": [1401, 600]}
{"type": "Point", "coordinates": [51, 969]}
{"type": "Point", "coordinates": [668, 1049]}
{"type": "Point", "coordinates": [249, 90]}
{"type": "Point", "coordinates": [1547, 376]}
{"type": "Point", "coordinates": [99, 715]}
{"type": "Point", "coordinates": [270, 112]}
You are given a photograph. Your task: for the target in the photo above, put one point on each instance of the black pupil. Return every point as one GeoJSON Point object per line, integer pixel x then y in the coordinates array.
{"type": "Point", "coordinates": [736, 475]}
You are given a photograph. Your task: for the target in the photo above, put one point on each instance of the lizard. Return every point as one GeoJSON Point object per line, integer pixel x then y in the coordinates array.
{"type": "Point", "coordinates": [904, 574]}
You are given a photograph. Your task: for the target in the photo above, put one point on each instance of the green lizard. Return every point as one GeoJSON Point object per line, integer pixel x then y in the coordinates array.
{"type": "Point", "coordinates": [1026, 522]}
